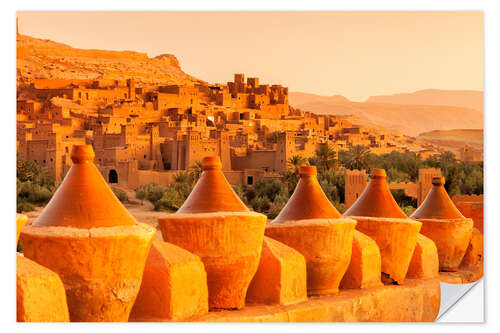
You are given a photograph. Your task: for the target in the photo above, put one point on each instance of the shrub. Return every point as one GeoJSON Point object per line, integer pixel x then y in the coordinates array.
{"type": "Point", "coordinates": [23, 206]}
{"type": "Point", "coordinates": [33, 193]}
{"type": "Point", "coordinates": [140, 194]}
{"type": "Point", "coordinates": [340, 207]}
{"type": "Point", "coordinates": [269, 188]}
{"type": "Point", "coordinates": [121, 195]}
{"type": "Point", "coordinates": [240, 190]}
{"type": "Point", "coordinates": [154, 192]}
{"type": "Point", "coordinates": [261, 204]}
{"type": "Point", "coordinates": [408, 210]}
{"type": "Point", "coordinates": [34, 185]}
{"type": "Point", "coordinates": [274, 209]}
{"type": "Point", "coordinates": [170, 201]}
{"type": "Point", "coordinates": [276, 206]}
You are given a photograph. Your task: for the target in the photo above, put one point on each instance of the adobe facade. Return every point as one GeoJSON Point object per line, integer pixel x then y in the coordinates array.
{"type": "Point", "coordinates": [143, 132]}
{"type": "Point", "coordinates": [356, 181]}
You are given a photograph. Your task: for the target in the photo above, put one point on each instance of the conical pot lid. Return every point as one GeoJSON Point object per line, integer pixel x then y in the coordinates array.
{"type": "Point", "coordinates": [84, 200]}
{"type": "Point", "coordinates": [212, 192]}
{"type": "Point", "coordinates": [437, 204]}
{"type": "Point", "coordinates": [376, 200]}
{"type": "Point", "coordinates": [308, 201]}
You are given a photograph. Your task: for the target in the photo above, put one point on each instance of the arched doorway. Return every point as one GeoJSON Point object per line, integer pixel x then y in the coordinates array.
{"type": "Point", "coordinates": [113, 176]}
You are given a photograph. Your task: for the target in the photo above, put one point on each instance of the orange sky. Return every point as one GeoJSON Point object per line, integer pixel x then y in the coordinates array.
{"type": "Point", "coordinates": [355, 54]}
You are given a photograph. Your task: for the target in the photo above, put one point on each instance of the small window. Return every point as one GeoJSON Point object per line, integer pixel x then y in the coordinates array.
{"type": "Point", "coordinates": [250, 180]}
{"type": "Point", "coordinates": [44, 161]}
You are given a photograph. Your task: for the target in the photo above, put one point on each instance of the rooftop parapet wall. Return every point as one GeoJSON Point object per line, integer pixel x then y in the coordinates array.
{"type": "Point", "coordinates": [468, 198]}
{"type": "Point", "coordinates": [416, 301]}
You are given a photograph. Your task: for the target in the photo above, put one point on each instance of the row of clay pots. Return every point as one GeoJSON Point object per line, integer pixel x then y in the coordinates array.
{"type": "Point", "coordinates": [310, 224]}
{"type": "Point", "coordinates": [91, 241]}
{"type": "Point", "coordinates": [379, 216]}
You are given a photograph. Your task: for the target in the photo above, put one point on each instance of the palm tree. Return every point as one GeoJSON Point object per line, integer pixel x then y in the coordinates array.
{"type": "Point", "coordinates": [196, 170]}
{"type": "Point", "coordinates": [326, 157]}
{"type": "Point", "coordinates": [358, 157]}
{"type": "Point", "coordinates": [295, 162]}
{"type": "Point", "coordinates": [447, 158]}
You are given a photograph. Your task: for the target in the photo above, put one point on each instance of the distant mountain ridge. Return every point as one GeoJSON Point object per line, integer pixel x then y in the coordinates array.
{"type": "Point", "coordinates": [413, 118]}
{"type": "Point", "coordinates": [460, 98]}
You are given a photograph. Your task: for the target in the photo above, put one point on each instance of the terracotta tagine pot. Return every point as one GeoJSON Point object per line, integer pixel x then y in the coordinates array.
{"type": "Point", "coordinates": [445, 225]}
{"type": "Point", "coordinates": [310, 224]}
{"type": "Point", "coordinates": [379, 216]}
{"type": "Point", "coordinates": [91, 241]}
{"type": "Point", "coordinates": [214, 224]}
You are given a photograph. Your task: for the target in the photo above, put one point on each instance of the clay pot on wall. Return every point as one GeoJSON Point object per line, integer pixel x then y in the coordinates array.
{"type": "Point", "coordinates": [445, 225]}
{"type": "Point", "coordinates": [92, 242]}
{"type": "Point", "coordinates": [310, 224]}
{"type": "Point", "coordinates": [214, 224]}
{"type": "Point", "coordinates": [379, 216]}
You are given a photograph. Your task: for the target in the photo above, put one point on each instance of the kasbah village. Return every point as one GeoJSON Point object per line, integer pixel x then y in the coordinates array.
{"type": "Point", "coordinates": [106, 126]}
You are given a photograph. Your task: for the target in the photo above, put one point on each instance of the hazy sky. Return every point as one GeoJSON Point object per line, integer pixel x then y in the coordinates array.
{"type": "Point", "coordinates": [355, 54]}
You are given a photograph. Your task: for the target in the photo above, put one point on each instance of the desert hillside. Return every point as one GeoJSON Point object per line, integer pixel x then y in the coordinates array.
{"type": "Point", "coordinates": [461, 98]}
{"type": "Point", "coordinates": [45, 59]}
{"type": "Point", "coordinates": [409, 119]}
{"type": "Point", "coordinates": [454, 139]}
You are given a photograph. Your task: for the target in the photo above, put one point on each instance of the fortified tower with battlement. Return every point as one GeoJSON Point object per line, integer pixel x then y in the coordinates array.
{"type": "Point", "coordinates": [425, 176]}
{"type": "Point", "coordinates": [355, 183]}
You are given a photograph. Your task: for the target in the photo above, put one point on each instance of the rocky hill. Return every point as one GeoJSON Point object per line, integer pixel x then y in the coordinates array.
{"type": "Point", "coordinates": [409, 119]}
{"type": "Point", "coordinates": [45, 59]}
{"type": "Point", "coordinates": [460, 98]}
{"type": "Point", "coordinates": [454, 139]}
